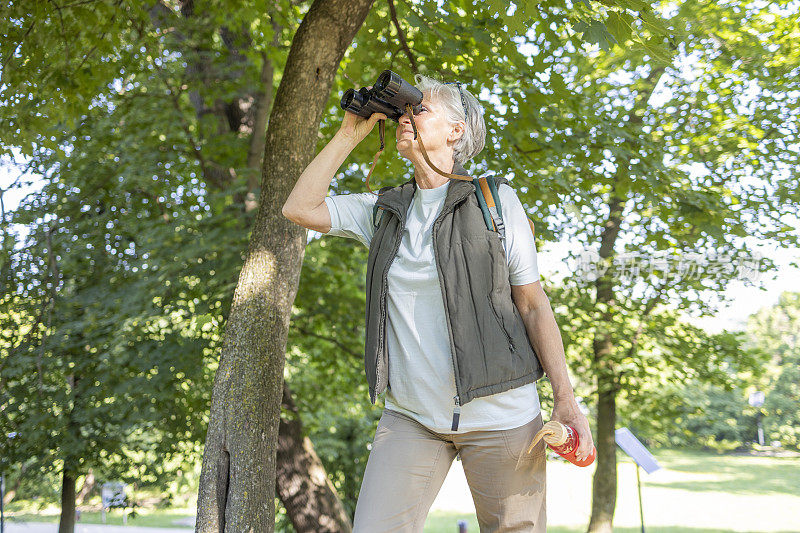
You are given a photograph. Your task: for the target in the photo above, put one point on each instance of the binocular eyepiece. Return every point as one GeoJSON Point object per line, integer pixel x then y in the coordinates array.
{"type": "Point", "coordinates": [389, 95]}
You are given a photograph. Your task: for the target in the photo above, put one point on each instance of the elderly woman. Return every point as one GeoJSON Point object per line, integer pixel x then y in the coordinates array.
{"type": "Point", "coordinates": [458, 326]}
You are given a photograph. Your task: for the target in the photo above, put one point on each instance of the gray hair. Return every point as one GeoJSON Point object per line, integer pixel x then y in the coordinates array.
{"type": "Point", "coordinates": [472, 141]}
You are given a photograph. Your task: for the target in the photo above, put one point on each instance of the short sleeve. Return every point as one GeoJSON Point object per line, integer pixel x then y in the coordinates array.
{"type": "Point", "coordinates": [351, 215]}
{"type": "Point", "coordinates": [523, 266]}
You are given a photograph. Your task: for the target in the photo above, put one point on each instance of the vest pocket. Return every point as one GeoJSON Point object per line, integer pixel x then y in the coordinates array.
{"type": "Point", "coordinates": [500, 322]}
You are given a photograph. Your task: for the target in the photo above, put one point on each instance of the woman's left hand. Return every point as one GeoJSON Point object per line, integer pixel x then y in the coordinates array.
{"type": "Point", "coordinates": [567, 412]}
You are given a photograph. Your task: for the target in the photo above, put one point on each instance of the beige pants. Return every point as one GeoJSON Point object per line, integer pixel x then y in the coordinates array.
{"type": "Point", "coordinates": [408, 463]}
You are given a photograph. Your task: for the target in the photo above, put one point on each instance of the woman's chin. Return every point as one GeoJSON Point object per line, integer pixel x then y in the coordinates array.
{"type": "Point", "coordinates": [404, 144]}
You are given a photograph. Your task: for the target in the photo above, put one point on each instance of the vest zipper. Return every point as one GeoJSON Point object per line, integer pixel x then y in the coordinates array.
{"type": "Point", "coordinates": [500, 323]}
{"type": "Point", "coordinates": [456, 414]}
{"type": "Point", "coordinates": [457, 397]}
{"type": "Point", "coordinates": [384, 291]}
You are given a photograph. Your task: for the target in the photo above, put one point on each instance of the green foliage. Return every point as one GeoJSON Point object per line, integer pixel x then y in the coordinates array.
{"type": "Point", "coordinates": [325, 361]}
{"type": "Point", "coordinates": [714, 412]}
{"type": "Point", "coordinates": [776, 329]}
{"type": "Point", "coordinates": [678, 385]}
{"type": "Point", "coordinates": [704, 416]}
{"type": "Point", "coordinates": [782, 414]}
{"type": "Point", "coordinates": [113, 304]}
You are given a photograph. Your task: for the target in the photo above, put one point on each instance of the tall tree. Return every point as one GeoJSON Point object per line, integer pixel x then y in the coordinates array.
{"type": "Point", "coordinates": [218, 82]}
{"type": "Point", "coordinates": [237, 485]}
{"type": "Point", "coordinates": [668, 161]}
{"type": "Point", "coordinates": [113, 371]}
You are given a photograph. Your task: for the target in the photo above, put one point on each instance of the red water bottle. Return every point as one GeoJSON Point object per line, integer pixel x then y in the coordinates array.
{"type": "Point", "coordinates": [563, 440]}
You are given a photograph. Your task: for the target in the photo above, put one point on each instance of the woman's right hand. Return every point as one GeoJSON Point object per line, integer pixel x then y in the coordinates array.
{"type": "Point", "coordinates": [355, 128]}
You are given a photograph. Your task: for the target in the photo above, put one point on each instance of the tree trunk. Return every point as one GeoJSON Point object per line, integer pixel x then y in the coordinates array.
{"type": "Point", "coordinates": [88, 485]}
{"type": "Point", "coordinates": [306, 492]}
{"type": "Point", "coordinates": [255, 152]}
{"type": "Point", "coordinates": [67, 522]}
{"type": "Point", "coordinates": [237, 482]}
{"type": "Point", "coordinates": [604, 483]}
{"type": "Point", "coordinates": [69, 473]}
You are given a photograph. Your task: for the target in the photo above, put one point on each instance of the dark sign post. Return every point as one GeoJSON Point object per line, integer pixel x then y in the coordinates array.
{"type": "Point", "coordinates": [2, 495]}
{"type": "Point", "coordinates": [640, 455]}
{"type": "Point", "coordinates": [3, 491]}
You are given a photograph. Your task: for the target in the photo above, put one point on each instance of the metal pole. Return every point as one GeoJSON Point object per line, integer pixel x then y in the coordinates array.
{"type": "Point", "coordinates": [639, 484]}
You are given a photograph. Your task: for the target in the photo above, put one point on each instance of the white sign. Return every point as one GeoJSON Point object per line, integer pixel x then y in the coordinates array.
{"type": "Point", "coordinates": [113, 494]}
{"type": "Point", "coordinates": [631, 445]}
{"type": "Point", "coordinates": [757, 398]}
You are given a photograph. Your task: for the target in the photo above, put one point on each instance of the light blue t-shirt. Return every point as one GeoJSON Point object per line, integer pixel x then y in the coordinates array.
{"type": "Point", "coordinates": [421, 375]}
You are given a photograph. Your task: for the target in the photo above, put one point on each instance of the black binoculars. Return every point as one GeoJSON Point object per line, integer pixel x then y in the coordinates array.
{"type": "Point", "coordinates": [389, 95]}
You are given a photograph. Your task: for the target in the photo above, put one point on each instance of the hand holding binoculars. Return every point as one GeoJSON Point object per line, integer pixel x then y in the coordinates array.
{"type": "Point", "coordinates": [393, 96]}
{"type": "Point", "coordinates": [389, 95]}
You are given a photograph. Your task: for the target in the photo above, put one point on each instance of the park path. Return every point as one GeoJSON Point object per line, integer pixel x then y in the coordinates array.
{"type": "Point", "coordinates": [42, 527]}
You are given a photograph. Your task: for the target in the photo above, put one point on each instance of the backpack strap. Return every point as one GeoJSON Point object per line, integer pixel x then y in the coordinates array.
{"type": "Point", "coordinates": [376, 217]}
{"type": "Point", "coordinates": [489, 200]}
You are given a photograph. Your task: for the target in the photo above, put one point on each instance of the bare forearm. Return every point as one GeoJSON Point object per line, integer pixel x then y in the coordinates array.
{"type": "Point", "coordinates": [313, 184]}
{"type": "Point", "coordinates": [545, 336]}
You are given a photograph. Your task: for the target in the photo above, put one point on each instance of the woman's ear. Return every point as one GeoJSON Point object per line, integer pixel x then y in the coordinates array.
{"type": "Point", "coordinates": [457, 131]}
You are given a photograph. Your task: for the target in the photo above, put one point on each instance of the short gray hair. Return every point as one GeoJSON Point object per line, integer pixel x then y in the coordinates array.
{"type": "Point", "coordinates": [472, 141]}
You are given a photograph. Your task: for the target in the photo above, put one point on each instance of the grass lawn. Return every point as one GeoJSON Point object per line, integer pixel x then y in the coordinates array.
{"type": "Point", "coordinates": [145, 518]}
{"type": "Point", "coordinates": [693, 492]}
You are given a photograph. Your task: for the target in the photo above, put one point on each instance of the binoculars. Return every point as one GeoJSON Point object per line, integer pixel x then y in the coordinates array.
{"type": "Point", "coordinates": [389, 95]}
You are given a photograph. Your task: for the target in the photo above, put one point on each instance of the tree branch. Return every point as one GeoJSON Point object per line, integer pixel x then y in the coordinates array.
{"type": "Point", "coordinates": [5, 63]}
{"type": "Point", "coordinates": [401, 36]}
{"type": "Point", "coordinates": [332, 340]}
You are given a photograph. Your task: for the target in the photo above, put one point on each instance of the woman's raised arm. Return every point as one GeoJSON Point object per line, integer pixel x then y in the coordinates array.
{"type": "Point", "coordinates": [306, 203]}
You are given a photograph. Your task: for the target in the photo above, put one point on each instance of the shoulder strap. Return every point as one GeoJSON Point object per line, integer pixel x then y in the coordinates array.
{"type": "Point", "coordinates": [489, 200]}
{"type": "Point", "coordinates": [376, 217]}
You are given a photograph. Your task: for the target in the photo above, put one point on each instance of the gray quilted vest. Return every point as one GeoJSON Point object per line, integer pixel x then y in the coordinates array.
{"type": "Point", "coordinates": [488, 341]}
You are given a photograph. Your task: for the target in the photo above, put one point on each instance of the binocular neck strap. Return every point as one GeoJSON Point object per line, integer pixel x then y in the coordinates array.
{"type": "Point", "coordinates": [425, 153]}
{"type": "Point", "coordinates": [382, 130]}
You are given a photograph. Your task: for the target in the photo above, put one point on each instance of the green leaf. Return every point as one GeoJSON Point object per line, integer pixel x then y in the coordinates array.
{"type": "Point", "coordinates": [620, 26]}
{"type": "Point", "coordinates": [597, 33]}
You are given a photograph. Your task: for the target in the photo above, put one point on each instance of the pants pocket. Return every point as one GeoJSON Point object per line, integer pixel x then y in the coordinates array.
{"type": "Point", "coordinates": [518, 439]}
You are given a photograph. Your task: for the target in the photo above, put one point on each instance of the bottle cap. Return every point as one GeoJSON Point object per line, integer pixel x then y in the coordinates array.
{"type": "Point", "coordinates": [553, 432]}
